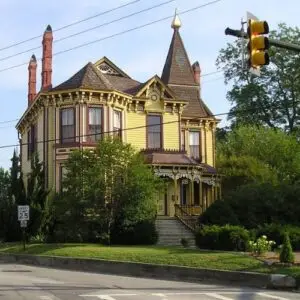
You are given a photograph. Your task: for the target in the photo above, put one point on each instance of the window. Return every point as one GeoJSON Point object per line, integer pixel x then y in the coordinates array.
{"type": "Point", "coordinates": [195, 144]}
{"type": "Point", "coordinates": [31, 141]}
{"type": "Point", "coordinates": [117, 123]}
{"type": "Point", "coordinates": [182, 140]}
{"type": "Point", "coordinates": [154, 133]}
{"type": "Point", "coordinates": [67, 125]}
{"type": "Point", "coordinates": [95, 124]}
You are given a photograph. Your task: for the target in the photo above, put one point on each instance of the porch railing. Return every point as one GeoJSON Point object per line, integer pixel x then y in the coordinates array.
{"type": "Point", "coordinates": [185, 215]}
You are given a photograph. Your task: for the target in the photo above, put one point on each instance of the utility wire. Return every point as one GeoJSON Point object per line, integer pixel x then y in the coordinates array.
{"type": "Point", "coordinates": [90, 29]}
{"type": "Point", "coordinates": [117, 34]}
{"type": "Point", "coordinates": [252, 110]}
{"type": "Point", "coordinates": [72, 24]}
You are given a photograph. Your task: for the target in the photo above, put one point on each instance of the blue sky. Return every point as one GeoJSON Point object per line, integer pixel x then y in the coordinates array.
{"type": "Point", "coordinates": [140, 53]}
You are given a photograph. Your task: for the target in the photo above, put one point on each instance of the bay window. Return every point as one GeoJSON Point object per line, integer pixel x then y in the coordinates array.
{"type": "Point", "coordinates": [67, 128]}
{"type": "Point", "coordinates": [117, 119]}
{"type": "Point", "coordinates": [95, 124]}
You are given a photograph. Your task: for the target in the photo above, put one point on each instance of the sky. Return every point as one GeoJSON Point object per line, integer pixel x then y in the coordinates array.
{"type": "Point", "coordinates": [140, 53]}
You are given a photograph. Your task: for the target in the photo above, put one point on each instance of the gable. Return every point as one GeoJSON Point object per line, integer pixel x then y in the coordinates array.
{"type": "Point", "coordinates": [154, 88]}
{"type": "Point", "coordinates": [107, 67]}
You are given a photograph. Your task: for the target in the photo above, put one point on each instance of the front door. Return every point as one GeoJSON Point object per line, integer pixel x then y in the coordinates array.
{"type": "Point", "coordinates": [162, 209]}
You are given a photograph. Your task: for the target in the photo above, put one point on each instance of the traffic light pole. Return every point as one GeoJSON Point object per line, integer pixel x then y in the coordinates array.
{"type": "Point", "coordinates": [272, 42]}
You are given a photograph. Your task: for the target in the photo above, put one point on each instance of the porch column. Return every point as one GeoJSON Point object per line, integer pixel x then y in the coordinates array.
{"type": "Point", "coordinates": [201, 196]}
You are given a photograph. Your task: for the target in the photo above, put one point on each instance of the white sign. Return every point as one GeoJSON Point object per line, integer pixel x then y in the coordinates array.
{"type": "Point", "coordinates": [23, 212]}
{"type": "Point", "coordinates": [23, 223]}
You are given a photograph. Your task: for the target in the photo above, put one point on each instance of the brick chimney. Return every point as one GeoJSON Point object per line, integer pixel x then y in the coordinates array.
{"type": "Point", "coordinates": [32, 79]}
{"type": "Point", "coordinates": [197, 72]}
{"type": "Point", "coordinates": [47, 59]}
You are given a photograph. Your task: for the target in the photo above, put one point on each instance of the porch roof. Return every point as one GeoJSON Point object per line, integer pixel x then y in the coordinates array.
{"type": "Point", "coordinates": [174, 158]}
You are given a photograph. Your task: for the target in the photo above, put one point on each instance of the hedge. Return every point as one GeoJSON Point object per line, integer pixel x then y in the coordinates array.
{"type": "Point", "coordinates": [228, 237]}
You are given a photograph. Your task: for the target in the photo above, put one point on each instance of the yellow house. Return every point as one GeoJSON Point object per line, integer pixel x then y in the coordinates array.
{"type": "Point", "coordinates": [164, 117]}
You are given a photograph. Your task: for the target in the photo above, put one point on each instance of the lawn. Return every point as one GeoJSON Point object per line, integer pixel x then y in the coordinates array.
{"type": "Point", "coordinates": [152, 254]}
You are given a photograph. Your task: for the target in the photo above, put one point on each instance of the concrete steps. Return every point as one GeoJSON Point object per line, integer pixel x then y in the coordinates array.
{"type": "Point", "coordinates": [171, 231]}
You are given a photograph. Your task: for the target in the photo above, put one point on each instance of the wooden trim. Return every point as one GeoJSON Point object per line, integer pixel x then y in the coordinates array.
{"type": "Point", "coordinates": [205, 145]}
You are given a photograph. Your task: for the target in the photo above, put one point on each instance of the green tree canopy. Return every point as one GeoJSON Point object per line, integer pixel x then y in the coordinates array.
{"type": "Point", "coordinates": [258, 154]}
{"type": "Point", "coordinates": [273, 98]}
{"type": "Point", "coordinates": [105, 188]}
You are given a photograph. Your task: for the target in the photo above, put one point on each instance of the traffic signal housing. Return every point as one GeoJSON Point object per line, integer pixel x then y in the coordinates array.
{"type": "Point", "coordinates": [258, 44]}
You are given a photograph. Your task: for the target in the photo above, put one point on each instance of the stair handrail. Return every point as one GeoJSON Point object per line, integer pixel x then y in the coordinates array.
{"type": "Point", "coordinates": [180, 212]}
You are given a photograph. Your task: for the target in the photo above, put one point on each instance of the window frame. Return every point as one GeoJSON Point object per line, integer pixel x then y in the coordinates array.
{"type": "Point", "coordinates": [119, 132]}
{"type": "Point", "coordinates": [89, 136]}
{"type": "Point", "coordinates": [182, 140]}
{"type": "Point", "coordinates": [161, 130]}
{"type": "Point", "coordinates": [31, 140]}
{"type": "Point", "coordinates": [68, 140]}
{"type": "Point", "coordinates": [199, 144]}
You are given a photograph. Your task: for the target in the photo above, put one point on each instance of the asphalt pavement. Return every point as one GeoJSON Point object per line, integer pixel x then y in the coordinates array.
{"type": "Point", "coordinates": [27, 282]}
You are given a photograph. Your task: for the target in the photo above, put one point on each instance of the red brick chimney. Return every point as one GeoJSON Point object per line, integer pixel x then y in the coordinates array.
{"type": "Point", "coordinates": [197, 72]}
{"type": "Point", "coordinates": [32, 79]}
{"type": "Point", "coordinates": [47, 59]}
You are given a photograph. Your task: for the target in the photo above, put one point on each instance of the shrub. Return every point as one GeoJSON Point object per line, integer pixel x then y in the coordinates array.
{"type": "Point", "coordinates": [286, 253]}
{"type": "Point", "coordinates": [228, 237]}
{"type": "Point", "coordinates": [141, 233]}
{"type": "Point", "coordinates": [184, 242]}
{"type": "Point", "coordinates": [276, 233]}
{"type": "Point", "coordinates": [261, 245]}
{"type": "Point", "coordinates": [219, 213]}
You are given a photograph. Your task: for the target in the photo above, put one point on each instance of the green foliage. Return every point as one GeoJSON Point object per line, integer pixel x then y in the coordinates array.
{"type": "Point", "coordinates": [184, 242]}
{"type": "Point", "coordinates": [286, 253]}
{"type": "Point", "coordinates": [108, 195]}
{"type": "Point", "coordinates": [271, 99]}
{"type": "Point", "coordinates": [261, 245]}
{"type": "Point", "coordinates": [276, 232]}
{"type": "Point", "coordinates": [219, 213]}
{"type": "Point", "coordinates": [226, 237]}
{"type": "Point", "coordinates": [258, 154]}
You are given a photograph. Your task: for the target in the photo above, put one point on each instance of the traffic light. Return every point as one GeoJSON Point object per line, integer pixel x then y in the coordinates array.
{"type": "Point", "coordinates": [258, 43]}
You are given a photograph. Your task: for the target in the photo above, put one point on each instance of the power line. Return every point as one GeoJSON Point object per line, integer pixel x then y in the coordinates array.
{"type": "Point", "coordinates": [72, 24]}
{"type": "Point", "coordinates": [117, 34]}
{"type": "Point", "coordinates": [250, 110]}
{"type": "Point", "coordinates": [90, 29]}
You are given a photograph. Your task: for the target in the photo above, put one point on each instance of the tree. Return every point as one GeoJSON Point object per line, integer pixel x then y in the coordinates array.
{"type": "Point", "coordinates": [258, 154]}
{"type": "Point", "coordinates": [286, 252]}
{"type": "Point", "coordinates": [272, 99]}
{"type": "Point", "coordinates": [104, 188]}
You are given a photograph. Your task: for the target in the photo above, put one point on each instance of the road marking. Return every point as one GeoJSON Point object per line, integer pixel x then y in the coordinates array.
{"type": "Point", "coordinates": [46, 298]}
{"type": "Point", "coordinates": [107, 297]}
{"type": "Point", "coordinates": [163, 296]}
{"type": "Point", "coordinates": [217, 296]}
{"type": "Point", "coordinates": [271, 296]}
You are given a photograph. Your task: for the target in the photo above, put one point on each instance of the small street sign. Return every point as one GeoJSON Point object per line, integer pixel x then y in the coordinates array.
{"type": "Point", "coordinates": [23, 212]}
{"type": "Point", "coordinates": [23, 223]}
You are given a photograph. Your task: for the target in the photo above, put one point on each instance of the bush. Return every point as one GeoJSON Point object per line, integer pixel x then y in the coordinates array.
{"type": "Point", "coordinates": [261, 245]}
{"type": "Point", "coordinates": [228, 237]}
{"type": "Point", "coordinates": [219, 213]}
{"type": "Point", "coordinates": [184, 242]}
{"type": "Point", "coordinates": [286, 253]}
{"type": "Point", "coordinates": [276, 233]}
{"type": "Point", "coordinates": [141, 233]}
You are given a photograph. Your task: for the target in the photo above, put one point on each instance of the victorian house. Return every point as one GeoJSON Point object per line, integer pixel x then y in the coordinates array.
{"type": "Point", "coordinates": [101, 98]}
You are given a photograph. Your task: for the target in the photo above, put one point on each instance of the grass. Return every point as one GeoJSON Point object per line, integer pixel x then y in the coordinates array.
{"type": "Point", "coordinates": [153, 254]}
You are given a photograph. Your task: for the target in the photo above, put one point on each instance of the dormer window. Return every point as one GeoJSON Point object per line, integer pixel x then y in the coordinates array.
{"type": "Point", "coordinates": [154, 132]}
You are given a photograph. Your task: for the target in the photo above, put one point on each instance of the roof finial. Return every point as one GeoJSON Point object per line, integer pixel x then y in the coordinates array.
{"type": "Point", "coordinates": [176, 23]}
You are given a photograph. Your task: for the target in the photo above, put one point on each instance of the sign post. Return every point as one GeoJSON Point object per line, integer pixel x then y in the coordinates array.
{"type": "Point", "coordinates": [23, 217]}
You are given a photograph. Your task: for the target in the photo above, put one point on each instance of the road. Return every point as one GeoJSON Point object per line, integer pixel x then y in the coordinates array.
{"type": "Point", "coordinates": [27, 282]}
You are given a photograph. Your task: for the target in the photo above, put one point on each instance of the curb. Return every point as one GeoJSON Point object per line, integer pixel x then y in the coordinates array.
{"type": "Point", "coordinates": [162, 272]}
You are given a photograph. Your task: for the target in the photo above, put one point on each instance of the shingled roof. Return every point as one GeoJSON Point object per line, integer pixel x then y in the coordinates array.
{"type": "Point", "coordinates": [179, 76]}
{"type": "Point", "coordinates": [88, 78]}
